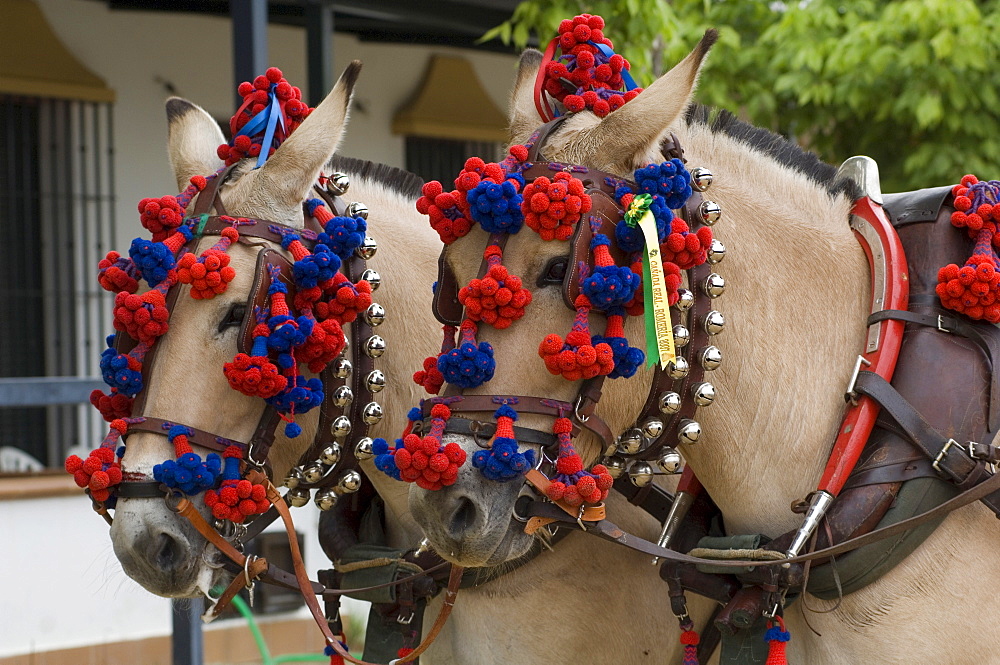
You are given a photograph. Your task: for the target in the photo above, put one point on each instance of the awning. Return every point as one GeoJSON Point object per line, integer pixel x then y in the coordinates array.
{"type": "Point", "coordinates": [451, 104]}
{"type": "Point", "coordinates": [34, 62]}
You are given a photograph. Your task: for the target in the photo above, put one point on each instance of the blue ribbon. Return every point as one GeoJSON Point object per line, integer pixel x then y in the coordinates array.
{"type": "Point", "coordinates": [626, 77]}
{"type": "Point", "coordinates": [266, 120]}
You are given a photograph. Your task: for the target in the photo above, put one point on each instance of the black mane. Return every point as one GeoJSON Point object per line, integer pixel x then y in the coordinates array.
{"type": "Point", "coordinates": [395, 179]}
{"type": "Point", "coordinates": [773, 145]}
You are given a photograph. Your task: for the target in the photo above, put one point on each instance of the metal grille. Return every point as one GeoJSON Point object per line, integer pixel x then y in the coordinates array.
{"type": "Point", "coordinates": [57, 216]}
{"type": "Point", "coordinates": [442, 159]}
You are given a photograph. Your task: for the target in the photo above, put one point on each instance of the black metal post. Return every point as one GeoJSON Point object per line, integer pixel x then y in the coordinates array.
{"type": "Point", "coordinates": [319, 49]}
{"type": "Point", "coordinates": [186, 642]}
{"type": "Point", "coordinates": [249, 19]}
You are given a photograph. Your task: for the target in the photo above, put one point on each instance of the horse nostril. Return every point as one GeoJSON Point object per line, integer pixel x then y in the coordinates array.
{"type": "Point", "coordinates": [167, 551]}
{"type": "Point", "coordinates": [463, 517]}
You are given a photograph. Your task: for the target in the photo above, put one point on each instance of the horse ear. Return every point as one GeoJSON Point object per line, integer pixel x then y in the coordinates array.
{"type": "Point", "coordinates": [639, 125]}
{"type": "Point", "coordinates": [289, 173]}
{"type": "Point", "coordinates": [193, 137]}
{"type": "Point", "coordinates": [522, 114]}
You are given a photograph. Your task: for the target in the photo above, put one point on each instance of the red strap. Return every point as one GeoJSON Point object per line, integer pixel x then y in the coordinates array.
{"type": "Point", "coordinates": [860, 418]}
{"type": "Point", "coordinates": [541, 102]}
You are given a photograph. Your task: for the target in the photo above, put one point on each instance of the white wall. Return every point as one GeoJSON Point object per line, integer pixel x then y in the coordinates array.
{"type": "Point", "coordinates": [71, 590]}
{"type": "Point", "coordinates": [135, 52]}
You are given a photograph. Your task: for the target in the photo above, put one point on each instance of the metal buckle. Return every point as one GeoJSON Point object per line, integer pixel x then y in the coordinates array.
{"type": "Point", "coordinates": [850, 395]}
{"type": "Point", "coordinates": [405, 620]}
{"type": "Point", "coordinates": [579, 519]}
{"type": "Point", "coordinates": [940, 325]}
{"type": "Point", "coordinates": [576, 410]}
{"type": "Point", "coordinates": [941, 455]}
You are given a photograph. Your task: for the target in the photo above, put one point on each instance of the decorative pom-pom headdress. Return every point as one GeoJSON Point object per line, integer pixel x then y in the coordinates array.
{"type": "Point", "coordinates": [305, 329]}
{"type": "Point", "coordinates": [973, 289]}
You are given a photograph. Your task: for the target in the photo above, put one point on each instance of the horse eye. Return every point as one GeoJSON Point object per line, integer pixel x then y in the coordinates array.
{"type": "Point", "coordinates": [554, 271]}
{"type": "Point", "coordinates": [233, 317]}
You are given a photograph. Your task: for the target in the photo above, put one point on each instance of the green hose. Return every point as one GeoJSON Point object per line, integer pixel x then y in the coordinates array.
{"type": "Point", "coordinates": [265, 655]}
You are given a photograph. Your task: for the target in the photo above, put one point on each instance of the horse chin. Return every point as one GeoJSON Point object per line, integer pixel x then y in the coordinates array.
{"type": "Point", "coordinates": [161, 552]}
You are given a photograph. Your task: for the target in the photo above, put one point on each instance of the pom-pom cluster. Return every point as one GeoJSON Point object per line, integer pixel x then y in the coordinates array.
{"type": "Point", "coordinates": [585, 75]}
{"type": "Point", "coordinates": [503, 461]}
{"type": "Point", "coordinates": [973, 289]}
{"type": "Point", "coordinates": [572, 484]}
{"type": "Point", "coordinates": [425, 460]}
{"type": "Point", "coordinates": [553, 207]}
{"type": "Point", "coordinates": [269, 93]}
{"type": "Point", "coordinates": [237, 498]}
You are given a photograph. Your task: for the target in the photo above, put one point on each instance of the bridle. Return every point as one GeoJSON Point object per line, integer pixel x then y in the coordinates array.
{"type": "Point", "coordinates": [665, 411]}
{"type": "Point", "coordinates": [330, 465]}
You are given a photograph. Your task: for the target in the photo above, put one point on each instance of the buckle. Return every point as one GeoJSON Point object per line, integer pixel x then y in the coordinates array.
{"type": "Point", "coordinates": [941, 455]}
{"type": "Point", "coordinates": [850, 395]}
{"type": "Point", "coordinates": [940, 325]}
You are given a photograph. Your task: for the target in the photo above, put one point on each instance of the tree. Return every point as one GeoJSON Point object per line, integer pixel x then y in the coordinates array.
{"type": "Point", "coordinates": [912, 83]}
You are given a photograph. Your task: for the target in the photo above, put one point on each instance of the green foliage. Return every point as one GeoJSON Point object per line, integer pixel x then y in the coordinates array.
{"type": "Point", "coordinates": [911, 83]}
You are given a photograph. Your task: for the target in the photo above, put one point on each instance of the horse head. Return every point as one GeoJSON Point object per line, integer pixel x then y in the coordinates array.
{"type": "Point", "coordinates": [185, 382]}
{"type": "Point", "coordinates": [474, 521]}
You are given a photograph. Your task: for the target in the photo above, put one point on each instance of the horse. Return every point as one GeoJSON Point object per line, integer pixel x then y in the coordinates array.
{"type": "Point", "coordinates": [169, 558]}
{"type": "Point", "coordinates": [797, 298]}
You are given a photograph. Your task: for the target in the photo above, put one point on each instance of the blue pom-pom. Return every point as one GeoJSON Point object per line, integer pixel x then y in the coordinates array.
{"type": "Point", "coordinates": [316, 268]}
{"type": "Point", "coordinates": [288, 332]}
{"type": "Point", "coordinates": [299, 396]}
{"type": "Point", "coordinates": [153, 260]}
{"type": "Point", "coordinates": [468, 366]}
{"type": "Point", "coordinates": [628, 359]}
{"type": "Point", "coordinates": [670, 180]}
{"type": "Point", "coordinates": [343, 235]}
{"type": "Point", "coordinates": [610, 286]}
{"type": "Point", "coordinates": [414, 414]}
{"type": "Point", "coordinates": [503, 461]}
{"type": "Point", "coordinates": [380, 446]}
{"type": "Point", "coordinates": [116, 373]}
{"type": "Point", "coordinates": [292, 430]}
{"type": "Point", "coordinates": [505, 411]}
{"type": "Point", "coordinates": [188, 473]}
{"type": "Point", "coordinates": [629, 238]}
{"type": "Point", "coordinates": [288, 238]}
{"type": "Point", "coordinates": [386, 463]}
{"type": "Point", "coordinates": [177, 430]}
{"type": "Point", "coordinates": [497, 207]}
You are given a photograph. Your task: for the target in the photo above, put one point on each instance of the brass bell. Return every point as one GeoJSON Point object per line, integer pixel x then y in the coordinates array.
{"type": "Point", "coordinates": [714, 322]}
{"type": "Point", "coordinates": [357, 209]}
{"type": "Point", "coordinates": [293, 478]}
{"type": "Point", "coordinates": [375, 314]}
{"type": "Point", "coordinates": [703, 393]}
{"type": "Point", "coordinates": [689, 431]}
{"type": "Point", "coordinates": [372, 277]}
{"type": "Point", "coordinates": [372, 413]}
{"type": "Point", "coordinates": [342, 368]}
{"type": "Point", "coordinates": [367, 248]}
{"type": "Point", "coordinates": [669, 460]}
{"type": "Point", "coordinates": [678, 368]}
{"type": "Point", "coordinates": [716, 251]}
{"type": "Point", "coordinates": [710, 358]}
{"type": "Point", "coordinates": [341, 427]}
{"type": "Point", "coordinates": [330, 455]}
{"type": "Point", "coordinates": [701, 178]}
{"type": "Point", "coordinates": [710, 212]}
{"type": "Point", "coordinates": [325, 499]}
{"type": "Point", "coordinates": [630, 442]}
{"type": "Point", "coordinates": [652, 428]}
{"type": "Point", "coordinates": [338, 184]}
{"type": "Point", "coordinates": [640, 473]}
{"type": "Point", "coordinates": [364, 449]}
{"type": "Point", "coordinates": [297, 497]}
{"type": "Point", "coordinates": [343, 396]}
{"type": "Point", "coordinates": [349, 482]}
{"type": "Point", "coordinates": [670, 403]}
{"type": "Point", "coordinates": [615, 466]}
{"type": "Point", "coordinates": [375, 346]}
{"type": "Point", "coordinates": [681, 336]}
{"type": "Point", "coordinates": [375, 381]}
{"type": "Point", "coordinates": [714, 285]}
{"type": "Point", "coordinates": [313, 473]}
{"type": "Point", "coordinates": [685, 300]}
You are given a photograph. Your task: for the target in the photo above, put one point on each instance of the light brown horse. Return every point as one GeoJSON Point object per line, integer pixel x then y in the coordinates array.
{"type": "Point", "coordinates": [796, 304]}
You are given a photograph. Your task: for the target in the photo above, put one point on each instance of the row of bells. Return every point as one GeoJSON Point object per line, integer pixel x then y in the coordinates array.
{"type": "Point", "coordinates": [300, 479]}
{"type": "Point", "coordinates": [639, 437]}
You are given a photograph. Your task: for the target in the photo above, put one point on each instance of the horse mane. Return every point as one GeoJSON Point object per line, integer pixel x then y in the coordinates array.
{"type": "Point", "coordinates": [395, 179]}
{"type": "Point", "coordinates": [775, 146]}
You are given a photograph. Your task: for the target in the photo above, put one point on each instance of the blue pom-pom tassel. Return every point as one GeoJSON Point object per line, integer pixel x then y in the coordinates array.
{"type": "Point", "coordinates": [628, 359]}
{"type": "Point", "coordinates": [153, 260]}
{"type": "Point", "coordinates": [292, 430]}
{"type": "Point", "coordinates": [497, 207]}
{"type": "Point", "coordinates": [468, 366]}
{"type": "Point", "coordinates": [343, 235]}
{"type": "Point", "coordinates": [288, 332]}
{"type": "Point", "coordinates": [318, 267]}
{"type": "Point", "coordinates": [116, 373]}
{"type": "Point", "coordinates": [189, 473]}
{"type": "Point", "coordinates": [503, 461]}
{"type": "Point", "coordinates": [610, 286]}
{"type": "Point", "coordinates": [776, 634]}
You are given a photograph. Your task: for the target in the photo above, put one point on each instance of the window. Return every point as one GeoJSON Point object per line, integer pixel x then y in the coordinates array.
{"type": "Point", "coordinates": [57, 216]}
{"type": "Point", "coordinates": [442, 159]}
